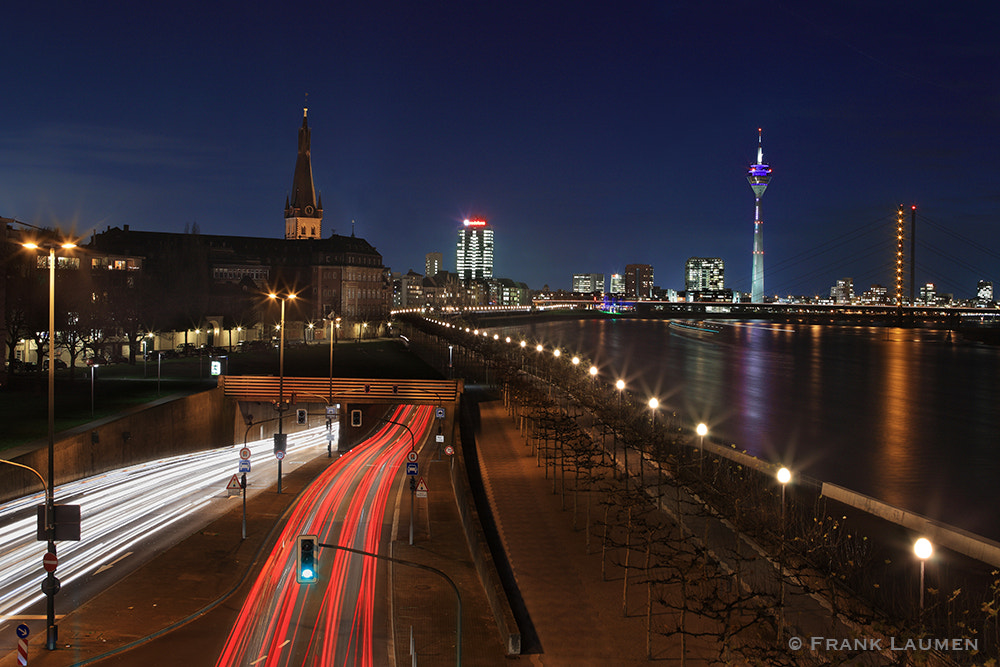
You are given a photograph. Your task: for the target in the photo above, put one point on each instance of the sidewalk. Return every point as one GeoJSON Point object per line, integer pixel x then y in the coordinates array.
{"type": "Point", "coordinates": [577, 616]}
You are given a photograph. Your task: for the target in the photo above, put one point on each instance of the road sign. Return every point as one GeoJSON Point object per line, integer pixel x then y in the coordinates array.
{"type": "Point", "coordinates": [411, 457]}
{"type": "Point", "coordinates": [49, 562]}
{"type": "Point", "coordinates": [22, 644]}
{"type": "Point", "coordinates": [245, 453]}
{"type": "Point", "coordinates": [244, 466]}
{"type": "Point", "coordinates": [439, 413]}
{"type": "Point", "coordinates": [279, 455]}
{"type": "Point", "coordinates": [234, 484]}
{"type": "Point", "coordinates": [411, 468]}
{"type": "Point", "coordinates": [438, 438]}
{"type": "Point", "coordinates": [421, 489]}
{"type": "Point", "coordinates": [449, 450]}
{"type": "Point", "coordinates": [331, 411]}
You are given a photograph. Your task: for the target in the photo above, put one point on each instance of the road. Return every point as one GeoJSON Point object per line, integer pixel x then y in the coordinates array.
{"type": "Point", "coordinates": [128, 516]}
{"type": "Point", "coordinates": [335, 621]}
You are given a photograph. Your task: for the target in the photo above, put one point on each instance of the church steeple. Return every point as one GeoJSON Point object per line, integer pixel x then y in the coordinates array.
{"type": "Point", "coordinates": [303, 215]}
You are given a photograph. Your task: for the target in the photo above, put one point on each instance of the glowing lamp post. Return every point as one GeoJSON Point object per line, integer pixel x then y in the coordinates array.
{"type": "Point", "coordinates": [620, 386]}
{"type": "Point", "coordinates": [923, 549]}
{"type": "Point", "coordinates": [279, 439]}
{"type": "Point", "coordinates": [784, 477]}
{"type": "Point", "coordinates": [701, 431]}
{"type": "Point", "coordinates": [52, 631]}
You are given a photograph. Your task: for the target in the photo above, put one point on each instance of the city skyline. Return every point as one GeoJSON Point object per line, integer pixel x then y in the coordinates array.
{"type": "Point", "coordinates": [619, 137]}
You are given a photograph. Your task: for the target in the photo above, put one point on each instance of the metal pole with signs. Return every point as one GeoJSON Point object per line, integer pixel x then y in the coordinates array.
{"type": "Point", "coordinates": [244, 469]}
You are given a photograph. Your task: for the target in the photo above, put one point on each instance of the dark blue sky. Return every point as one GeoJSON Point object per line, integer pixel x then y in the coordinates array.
{"type": "Point", "coordinates": [591, 135]}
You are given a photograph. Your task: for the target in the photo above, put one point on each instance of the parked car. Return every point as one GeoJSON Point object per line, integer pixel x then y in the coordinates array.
{"type": "Point", "coordinates": [59, 364]}
{"type": "Point", "coordinates": [97, 360]}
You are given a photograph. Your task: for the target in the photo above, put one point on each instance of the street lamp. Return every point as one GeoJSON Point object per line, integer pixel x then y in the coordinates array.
{"type": "Point", "coordinates": [280, 454]}
{"type": "Point", "coordinates": [784, 476]}
{"type": "Point", "coordinates": [701, 431]}
{"type": "Point", "coordinates": [52, 631]}
{"type": "Point", "coordinates": [923, 549]}
{"type": "Point", "coordinates": [620, 386]}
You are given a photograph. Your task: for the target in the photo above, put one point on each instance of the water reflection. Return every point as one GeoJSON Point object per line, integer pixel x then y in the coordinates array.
{"type": "Point", "coordinates": [907, 416]}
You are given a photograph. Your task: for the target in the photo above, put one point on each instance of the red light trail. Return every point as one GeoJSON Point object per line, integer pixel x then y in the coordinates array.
{"type": "Point", "coordinates": [330, 622]}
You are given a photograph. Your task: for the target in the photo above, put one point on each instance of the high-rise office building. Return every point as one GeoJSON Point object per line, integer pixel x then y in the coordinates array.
{"type": "Point", "coordinates": [474, 258]}
{"type": "Point", "coordinates": [617, 284]}
{"type": "Point", "coordinates": [588, 283]}
{"type": "Point", "coordinates": [984, 291]}
{"type": "Point", "coordinates": [704, 273]}
{"type": "Point", "coordinates": [843, 291]}
{"type": "Point", "coordinates": [433, 264]}
{"type": "Point", "coordinates": [759, 175]}
{"type": "Point", "coordinates": [639, 281]}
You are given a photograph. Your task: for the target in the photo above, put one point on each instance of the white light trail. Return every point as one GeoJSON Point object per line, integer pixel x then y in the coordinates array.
{"type": "Point", "coordinates": [122, 509]}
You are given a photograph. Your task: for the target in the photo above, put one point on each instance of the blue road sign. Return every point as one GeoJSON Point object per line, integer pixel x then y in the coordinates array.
{"type": "Point", "coordinates": [244, 465]}
{"type": "Point", "coordinates": [411, 468]}
{"type": "Point", "coordinates": [23, 631]}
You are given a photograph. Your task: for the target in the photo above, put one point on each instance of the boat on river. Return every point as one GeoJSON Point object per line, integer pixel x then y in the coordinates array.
{"type": "Point", "coordinates": [693, 328]}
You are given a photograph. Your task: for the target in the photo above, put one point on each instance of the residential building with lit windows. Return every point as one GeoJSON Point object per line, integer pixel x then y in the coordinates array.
{"type": "Point", "coordinates": [474, 252]}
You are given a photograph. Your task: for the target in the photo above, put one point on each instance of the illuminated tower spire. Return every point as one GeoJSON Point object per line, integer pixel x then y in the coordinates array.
{"type": "Point", "coordinates": [759, 176]}
{"type": "Point", "coordinates": [303, 210]}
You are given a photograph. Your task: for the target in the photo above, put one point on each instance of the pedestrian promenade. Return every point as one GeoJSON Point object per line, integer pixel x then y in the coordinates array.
{"type": "Point", "coordinates": [577, 614]}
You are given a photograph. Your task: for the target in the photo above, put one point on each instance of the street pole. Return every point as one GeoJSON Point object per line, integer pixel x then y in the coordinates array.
{"type": "Point", "coordinates": [52, 632]}
{"type": "Point", "coordinates": [281, 380]}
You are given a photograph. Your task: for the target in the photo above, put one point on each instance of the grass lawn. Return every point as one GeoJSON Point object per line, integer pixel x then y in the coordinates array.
{"type": "Point", "coordinates": [24, 401]}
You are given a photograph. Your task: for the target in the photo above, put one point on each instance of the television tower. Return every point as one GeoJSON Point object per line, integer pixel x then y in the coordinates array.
{"type": "Point", "coordinates": [759, 176]}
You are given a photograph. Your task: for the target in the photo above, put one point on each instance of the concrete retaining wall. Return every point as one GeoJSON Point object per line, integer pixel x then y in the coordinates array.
{"type": "Point", "coordinates": [941, 535]}
{"type": "Point", "coordinates": [168, 428]}
{"type": "Point", "coordinates": [510, 634]}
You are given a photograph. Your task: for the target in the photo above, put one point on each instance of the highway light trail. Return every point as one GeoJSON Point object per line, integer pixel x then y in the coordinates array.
{"type": "Point", "coordinates": [330, 622]}
{"type": "Point", "coordinates": [120, 512]}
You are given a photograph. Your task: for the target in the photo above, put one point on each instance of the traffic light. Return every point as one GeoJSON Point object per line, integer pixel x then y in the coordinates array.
{"type": "Point", "coordinates": [355, 418]}
{"type": "Point", "coordinates": [300, 416]}
{"type": "Point", "coordinates": [306, 563]}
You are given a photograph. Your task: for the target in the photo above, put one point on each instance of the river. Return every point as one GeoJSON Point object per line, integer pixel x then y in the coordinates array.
{"type": "Point", "coordinates": [908, 416]}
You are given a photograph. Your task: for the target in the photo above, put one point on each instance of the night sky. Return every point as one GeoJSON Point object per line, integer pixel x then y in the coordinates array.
{"type": "Point", "coordinates": [591, 135]}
